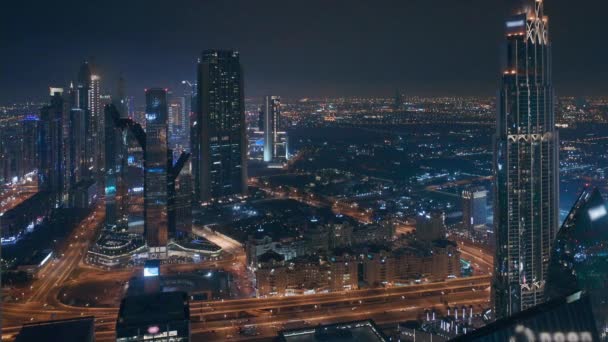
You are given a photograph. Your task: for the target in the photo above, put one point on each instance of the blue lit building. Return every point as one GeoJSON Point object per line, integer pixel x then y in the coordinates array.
{"type": "Point", "coordinates": [157, 157]}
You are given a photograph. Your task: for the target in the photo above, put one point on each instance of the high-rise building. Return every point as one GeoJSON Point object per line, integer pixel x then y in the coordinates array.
{"type": "Point", "coordinates": [272, 119]}
{"type": "Point", "coordinates": [220, 147]}
{"type": "Point", "coordinates": [179, 190]}
{"type": "Point", "coordinates": [179, 127]}
{"type": "Point", "coordinates": [29, 155]}
{"type": "Point", "coordinates": [525, 165]}
{"type": "Point", "coordinates": [50, 146]}
{"type": "Point", "coordinates": [474, 207]}
{"type": "Point", "coordinates": [98, 127]}
{"type": "Point", "coordinates": [114, 169]}
{"type": "Point", "coordinates": [78, 138]}
{"type": "Point", "coordinates": [155, 169]}
{"type": "Point", "coordinates": [82, 97]}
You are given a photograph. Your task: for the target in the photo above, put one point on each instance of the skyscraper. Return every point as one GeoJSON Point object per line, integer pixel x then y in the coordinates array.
{"type": "Point", "coordinates": [220, 146]}
{"type": "Point", "coordinates": [50, 146]}
{"type": "Point", "coordinates": [525, 165]}
{"type": "Point", "coordinates": [77, 147]}
{"type": "Point", "coordinates": [114, 170]}
{"type": "Point", "coordinates": [474, 207]}
{"type": "Point", "coordinates": [179, 127]}
{"type": "Point", "coordinates": [272, 112]}
{"type": "Point", "coordinates": [82, 100]}
{"type": "Point", "coordinates": [155, 169]}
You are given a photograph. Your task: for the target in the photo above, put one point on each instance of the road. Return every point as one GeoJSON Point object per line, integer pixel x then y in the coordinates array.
{"type": "Point", "coordinates": [219, 320]}
{"type": "Point", "coordinates": [314, 200]}
{"type": "Point", "coordinates": [481, 259]}
{"type": "Point", "coordinates": [12, 196]}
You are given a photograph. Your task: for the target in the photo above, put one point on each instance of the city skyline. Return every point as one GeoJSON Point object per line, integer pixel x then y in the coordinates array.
{"type": "Point", "coordinates": [256, 196]}
{"type": "Point", "coordinates": [400, 36]}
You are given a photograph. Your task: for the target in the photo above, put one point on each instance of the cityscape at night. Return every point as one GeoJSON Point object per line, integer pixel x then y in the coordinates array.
{"type": "Point", "coordinates": [304, 171]}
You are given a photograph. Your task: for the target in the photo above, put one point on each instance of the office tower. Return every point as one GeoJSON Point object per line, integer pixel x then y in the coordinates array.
{"type": "Point", "coordinates": [120, 102]}
{"type": "Point", "coordinates": [77, 145]}
{"type": "Point", "coordinates": [179, 128]}
{"type": "Point", "coordinates": [526, 165]}
{"type": "Point", "coordinates": [18, 149]}
{"type": "Point", "coordinates": [81, 100]}
{"type": "Point", "coordinates": [578, 260]}
{"type": "Point", "coordinates": [221, 151]}
{"type": "Point", "coordinates": [180, 198]}
{"type": "Point", "coordinates": [272, 112]}
{"type": "Point", "coordinates": [114, 171]}
{"type": "Point", "coordinates": [155, 169]}
{"type": "Point", "coordinates": [430, 227]}
{"type": "Point", "coordinates": [474, 207]}
{"type": "Point", "coordinates": [52, 168]}
{"type": "Point", "coordinates": [29, 154]}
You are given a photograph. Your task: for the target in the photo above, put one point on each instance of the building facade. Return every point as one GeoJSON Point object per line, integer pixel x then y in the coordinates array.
{"type": "Point", "coordinates": [272, 120]}
{"type": "Point", "coordinates": [474, 208]}
{"type": "Point", "coordinates": [156, 166]}
{"type": "Point", "coordinates": [52, 168]}
{"type": "Point", "coordinates": [525, 165]}
{"type": "Point", "coordinates": [220, 148]}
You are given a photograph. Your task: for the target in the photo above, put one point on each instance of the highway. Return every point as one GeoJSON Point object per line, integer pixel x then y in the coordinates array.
{"type": "Point", "coordinates": [13, 195]}
{"type": "Point", "coordinates": [219, 320]}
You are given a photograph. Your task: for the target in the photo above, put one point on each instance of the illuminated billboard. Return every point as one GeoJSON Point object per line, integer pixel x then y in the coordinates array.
{"type": "Point", "coordinates": [151, 272]}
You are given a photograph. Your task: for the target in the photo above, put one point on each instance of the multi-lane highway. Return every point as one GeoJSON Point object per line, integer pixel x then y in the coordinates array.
{"type": "Point", "coordinates": [220, 320]}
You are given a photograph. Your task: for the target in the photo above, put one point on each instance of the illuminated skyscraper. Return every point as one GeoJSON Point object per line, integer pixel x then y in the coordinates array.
{"type": "Point", "coordinates": [220, 148]}
{"type": "Point", "coordinates": [156, 166]}
{"type": "Point", "coordinates": [50, 146]}
{"type": "Point", "coordinates": [526, 165]}
{"type": "Point", "coordinates": [116, 193]}
{"type": "Point", "coordinates": [272, 118]}
{"type": "Point", "coordinates": [82, 102]}
{"type": "Point", "coordinates": [474, 207]}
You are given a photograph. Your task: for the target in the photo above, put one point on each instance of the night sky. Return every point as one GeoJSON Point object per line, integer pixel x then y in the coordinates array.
{"type": "Point", "coordinates": [292, 48]}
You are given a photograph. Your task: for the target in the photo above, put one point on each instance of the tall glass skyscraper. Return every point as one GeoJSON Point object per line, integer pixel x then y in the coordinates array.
{"type": "Point", "coordinates": [50, 146]}
{"type": "Point", "coordinates": [155, 169]}
{"type": "Point", "coordinates": [220, 149]}
{"type": "Point", "coordinates": [272, 112]}
{"type": "Point", "coordinates": [525, 165]}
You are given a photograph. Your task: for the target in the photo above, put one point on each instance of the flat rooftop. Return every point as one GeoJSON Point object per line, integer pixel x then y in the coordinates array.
{"type": "Point", "coordinates": [157, 307]}
{"type": "Point", "coordinates": [67, 330]}
{"type": "Point", "coordinates": [363, 331]}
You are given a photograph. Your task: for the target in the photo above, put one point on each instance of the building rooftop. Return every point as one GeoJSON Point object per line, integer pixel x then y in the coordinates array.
{"type": "Point", "coordinates": [150, 308]}
{"type": "Point", "coordinates": [67, 330]}
{"type": "Point", "coordinates": [361, 331]}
